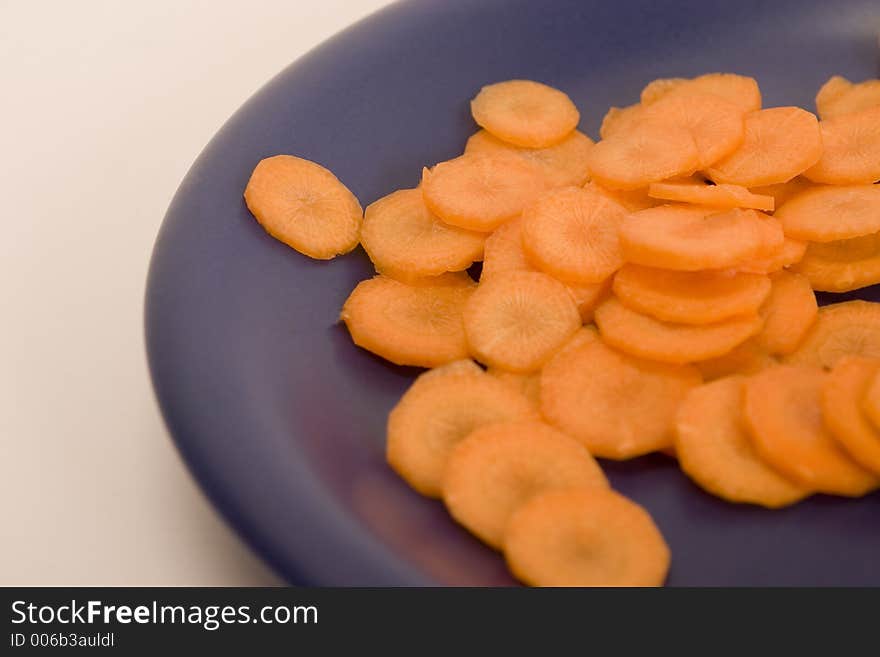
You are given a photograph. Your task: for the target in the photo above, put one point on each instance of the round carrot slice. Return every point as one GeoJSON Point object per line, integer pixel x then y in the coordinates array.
{"type": "Point", "coordinates": [843, 265]}
{"type": "Point", "coordinates": [692, 238]}
{"type": "Point", "coordinates": [631, 201]}
{"type": "Point", "coordinates": [738, 89]}
{"type": "Point", "coordinates": [441, 408]}
{"type": "Point", "coordinates": [851, 328]}
{"type": "Point", "coordinates": [851, 154]}
{"type": "Point", "coordinates": [747, 358]}
{"type": "Point", "coordinates": [839, 96]}
{"type": "Point", "coordinates": [499, 467]}
{"type": "Point", "coordinates": [783, 412]}
{"type": "Point", "coordinates": [792, 252]}
{"type": "Point", "coordinates": [504, 252]}
{"type": "Point", "coordinates": [517, 321]}
{"type": "Point", "coordinates": [855, 210]}
{"type": "Point", "coordinates": [698, 297]}
{"type": "Point", "coordinates": [480, 191]}
{"type": "Point", "coordinates": [304, 205]}
{"type": "Point", "coordinates": [780, 143]}
{"type": "Point", "coordinates": [562, 164]}
{"type": "Point", "coordinates": [871, 401]}
{"type": "Point", "coordinates": [781, 192]}
{"type": "Point", "coordinates": [525, 113]}
{"type": "Point", "coordinates": [715, 451]}
{"type": "Point", "coordinates": [403, 239]}
{"type": "Point", "coordinates": [788, 313]}
{"type": "Point", "coordinates": [647, 337]}
{"type": "Point", "coordinates": [585, 537]}
{"type": "Point", "coordinates": [528, 385]}
{"type": "Point", "coordinates": [409, 324]}
{"type": "Point", "coordinates": [619, 120]}
{"type": "Point", "coordinates": [618, 406]}
{"type": "Point", "coordinates": [571, 233]}
{"type": "Point", "coordinates": [648, 153]}
{"type": "Point", "coordinates": [842, 393]}
{"type": "Point", "coordinates": [717, 196]}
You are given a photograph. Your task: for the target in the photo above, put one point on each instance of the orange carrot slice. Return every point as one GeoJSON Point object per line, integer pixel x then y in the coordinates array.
{"type": "Point", "coordinates": [562, 164]}
{"type": "Point", "coordinates": [747, 358]}
{"type": "Point", "coordinates": [409, 324]}
{"type": "Point", "coordinates": [585, 537]}
{"type": "Point", "coordinates": [481, 191]}
{"type": "Point", "coordinates": [715, 451]}
{"type": "Point", "coordinates": [855, 210]}
{"type": "Point", "coordinates": [843, 265]}
{"type": "Point", "coordinates": [525, 113]}
{"type": "Point", "coordinates": [499, 467]}
{"type": "Point", "coordinates": [780, 143]}
{"type": "Point", "coordinates": [851, 154]}
{"type": "Point", "coordinates": [842, 393]}
{"type": "Point", "coordinates": [441, 408]}
{"type": "Point", "coordinates": [656, 89]}
{"type": "Point", "coordinates": [835, 87]}
{"type": "Point", "coordinates": [783, 412]}
{"type": "Point", "coordinates": [718, 196]}
{"type": "Point", "coordinates": [647, 337]}
{"type": "Point", "coordinates": [571, 233]}
{"type": "Point", "coordinates": [792, 252]}
{"type": "Point", "coordinates": [851, 328]}
{"type": "Point", "coordinates": [699, 297]}
{"type": "Point", "coordinates": [788, 313]}
{"type": "Point", "coordinates": [504, 252]}
{"type": "Point", "coordinates": [738, 89]}
{"type": "Point", "coordinates": [304, 205]}
{"type": "Point", "coordinates": [517, 321]}
{"type": "Point", "coordinates": [618, 120]}
{"type": "Point", "coordinates": [403, 239]}
{"type": "Point", "coordinates": [632, 200]}
{"type": "Point", "coordinates": [839, 96]}
{"type": "Point", "coordinates": [618, 406]}
{"type": "Point", "coordinates": [692, 238]}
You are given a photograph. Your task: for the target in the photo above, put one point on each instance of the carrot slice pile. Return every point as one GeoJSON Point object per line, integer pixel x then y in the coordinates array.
{"type": "Point", "coordinates": [525, 113]}
{"type": "Point", "coordinates": [404, 240]}
{"type": "Point", "coordinates": [780, 143]}
{"type": "Point", "coordinates": [855, 211]}
{"type": "Point", "coordinates": [585, 537]}
{"type": "Point", "coordinates": [440, 409]}
{"type": "Point", "coordinates": [718, 196]}
{"type": "Point", "coordinates": [571, 234]}
{"type": "Point", "coordinates": [699, 297]}
{"type": "Point", "coordinates": [839, 96]}
{"type": "Point", "coordinates": [616, 405]}
{"type": "Point", "coordinates": [842, 395]}
{"type": "Point", "coordinates": [499, 467]}
{"type": "Point", "coordinates": [481, 191]}
{"type": "Point", "coordinates": [843, 265]}
{"type": "Point", "coordinates": [851, 149]}
{"type": "Point", "coordinates": [746, 358]}
{"type": "Point", "coordinates": [788, 313]}
{"type": "Point", "coordinates": [715, 451]}
{"type": "Point", "coordinates": [782, 410]}
{"type": "Point", "coordinates": [851, 328]}
{"type": "Point", "coordinates": [562, 164]}
{"type": "Point", "coordinates": [516, 322]}
{"type": "Point", "coordinates": [302, 204]}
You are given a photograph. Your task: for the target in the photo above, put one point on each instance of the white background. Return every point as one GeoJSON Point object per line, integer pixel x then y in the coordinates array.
{"type": "Point", "coordinates": [103, 107]}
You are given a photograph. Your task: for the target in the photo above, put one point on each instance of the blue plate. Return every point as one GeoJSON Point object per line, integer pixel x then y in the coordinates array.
{"type": "Point", "coordinates": [282, 419]}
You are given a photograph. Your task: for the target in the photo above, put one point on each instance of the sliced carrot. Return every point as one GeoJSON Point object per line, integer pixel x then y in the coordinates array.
{"type": "Point", "coordinates": [692, 238]}
{"type": "Point", "coordinates": [480, 191]}
{"type": "Point", "coordinates": [842, 394]}
{"type": "Point", "coordinates": [715, 451]}
{"type": "Point", "coordinates": [585, 537]}
{"type": "Point", "coordinates": [871, 401]}
{"type": "Point", "coordinates": [746, 358]}
{"type": "Point", "coordinates": [788, 313]}
{"type": "Point", "coordinates": [851, 328]}
{"type": "Point", "coordinates": [839, 96]}
{"type": "Point", "coordinates": [528, 385]}
{"type": "Point", "coordinates": [409, 324]}
{"type": "Point", "coordinates": [504, 252]}
{"type": "Point", "coordinates": [781, 192]}
{"type": "Point", "coordinates": [304, 205]}
{"type": "Point", "coordinates": [719, 196]}
{"type": "Point", "coordinates": [632, 200]}
{"type": "Point", "coordinates": [647, 337]}
{"type": "Point", "coordinates": [618, 406]}
{"type": "Point", "coordinates": [562, 164]}
{"type": "Point", "coordinates": [855, 211]}
{"type": "Point", "coordinates": [783, 412]}
{"type": "Point", "coordinates": [648, 153]}
{"type": "Point", "coordinates": [780, 144]}
{"type": "Point", "coordinates": [571, 233]}
{"type": "Point", "coordinates": [851, 154]}
{"type": "Point", "coordinates": [588, 296]}
{"type": "Point", "coordinates": [403, 239]}
{"type": "Point", "coordinates": [499, 467]}
{"type": "Point", "coordinates": [618, 120]}
{"type": "Point", "coordinates": [843, 265]}
{"type": "Point", "coordinates": [441, 408]}
{"type": "Point", "coordinates": [525, 113]}
{"type": "Point", "coordinates": [738, 89]}
{"type": "Point", "coordinates": [698, 297]}
{"type": "Point", "coordinates": [792, 252]}
{"type": "Point", "coordinates": [517, 321]}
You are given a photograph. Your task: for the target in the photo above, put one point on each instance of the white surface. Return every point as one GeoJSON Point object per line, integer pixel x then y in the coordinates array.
{"type": "Point", "coordinates": [104, 106]}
